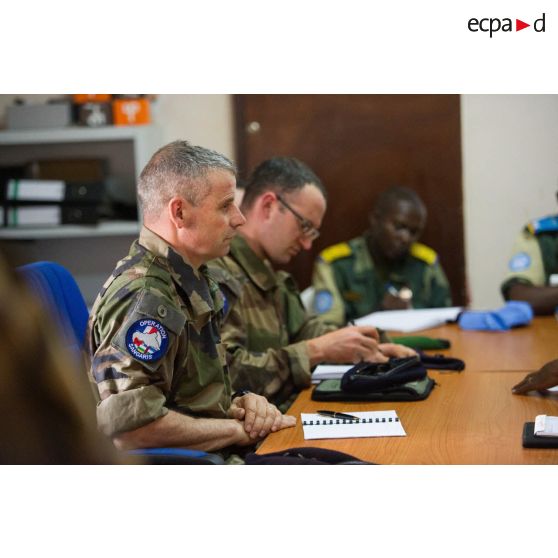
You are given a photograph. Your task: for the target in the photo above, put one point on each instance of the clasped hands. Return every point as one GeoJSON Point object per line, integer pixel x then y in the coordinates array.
{"type": "Point", "coordinates": [258, 417]}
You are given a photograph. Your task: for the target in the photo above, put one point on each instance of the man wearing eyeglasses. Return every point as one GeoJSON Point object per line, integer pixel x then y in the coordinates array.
{"type": "Point", "coordinates": [271, 342]}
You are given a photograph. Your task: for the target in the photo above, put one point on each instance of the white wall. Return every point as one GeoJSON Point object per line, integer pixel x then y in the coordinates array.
{"type": "Point", "coordinates": [510, 175]}
{"type": "Point", "coordinates": [202, 119]}
{"type": "Point", "coordinates": [510, 167]}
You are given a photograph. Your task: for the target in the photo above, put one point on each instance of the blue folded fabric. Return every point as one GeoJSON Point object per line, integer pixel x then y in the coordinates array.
{"type": "Point", "coordinates": [514, 313]}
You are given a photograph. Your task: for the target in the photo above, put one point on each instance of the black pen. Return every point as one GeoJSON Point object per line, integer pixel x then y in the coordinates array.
{"type": "Point", "coordinates": [333, 414]}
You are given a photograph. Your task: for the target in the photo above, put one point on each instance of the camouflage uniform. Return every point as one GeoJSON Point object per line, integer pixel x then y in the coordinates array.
{"type": "Point", "coordinates": [349, 285]}
{"type": "Point", "coordinates": [154, 340]}
{"type": "Point", "coordinates": [535, 256]}
{"type": "Point", "coordinates": [265, 326]}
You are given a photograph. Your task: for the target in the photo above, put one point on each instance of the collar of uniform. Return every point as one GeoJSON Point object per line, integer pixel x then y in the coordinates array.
{"type": "Point", "coordinates": [194, 282]}
{"type": "Point", "coordinates": [363, 260]}
{"type": "Point", "coordinates": [258, 270]}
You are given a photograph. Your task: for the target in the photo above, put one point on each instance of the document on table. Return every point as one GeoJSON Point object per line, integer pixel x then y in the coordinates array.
{"type": "Point", "coordinates": [329, 372]}
{"type": "Point", "coordinates": [371, 425]}
{"type": "Point", "coordinates": [410, 320]}
{"type": "Point", "coordinates": [546, 425]}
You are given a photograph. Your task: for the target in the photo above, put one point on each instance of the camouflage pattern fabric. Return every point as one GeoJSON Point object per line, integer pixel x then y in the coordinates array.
{"type": "Point", "coordinates": [265, 327]}
{"type": "Point", "coordinates": [534, 258]}
{"type": "Point", "coordinates": [154, 341]}
{"type": "Point", "coordinates": [348, 285]}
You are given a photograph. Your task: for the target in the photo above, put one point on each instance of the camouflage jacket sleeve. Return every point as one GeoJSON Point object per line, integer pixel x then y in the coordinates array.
{"type": "Point", "coordinates": [526, 264]}
{"type": "Point", "coordinates": [261, 360]}
{"type": "Point", "coordinates": [132, 391]}
{"type": "Point", "coordinates": [327, 301]}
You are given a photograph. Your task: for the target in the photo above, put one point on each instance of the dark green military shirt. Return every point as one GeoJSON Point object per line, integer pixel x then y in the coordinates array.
{"type": "Point", "coordinates": [266, 326]}
{"type": "Point", "coordinates": [154, 341]}
{"type": "Point", "coordinates": [535, 256]}
{"type": "Point", "coordinates": [348, 284]}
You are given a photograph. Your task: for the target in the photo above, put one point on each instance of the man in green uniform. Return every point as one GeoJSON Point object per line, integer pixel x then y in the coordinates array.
{"type": "Point", "coordinates": [385, 269]}
{"type": "Point", "coordinates": [272, 343]}
{"type": "Point", "coordinates": [533, 268]}
{"type": "Point", "coordinates": [154, 347]}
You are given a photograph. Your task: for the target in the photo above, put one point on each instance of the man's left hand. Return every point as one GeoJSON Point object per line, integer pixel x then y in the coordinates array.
{"type": "Point", "coordinates": [260, 417]}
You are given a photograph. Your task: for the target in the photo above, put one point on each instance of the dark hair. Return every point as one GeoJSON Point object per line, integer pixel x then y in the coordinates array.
{"type": "Point", "coordinates": [279, 174]}
{"type": "Point", "coordinates": [388, 198]}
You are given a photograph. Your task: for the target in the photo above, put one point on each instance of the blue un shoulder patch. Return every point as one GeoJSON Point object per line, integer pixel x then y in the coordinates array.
{"type": "Point", "coordinates": [323, 301]}
{"type": "Point", "coordinates": [520, 262]}
{"type": "Point", "coordinates": [147, 340]}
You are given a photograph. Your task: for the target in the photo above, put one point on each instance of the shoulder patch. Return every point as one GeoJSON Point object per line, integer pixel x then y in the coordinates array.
{"type": "Point", "coordinates": [147, 340]}
{"type": "Point", "coordinates": [424, 253]}
{"type": "Point", "coordinates": [323, 301]}
{"type": "Point", "coordinates": [149, 329]}
{"type": "Point", "coordinates": [336, 252]}
{"type": "Point", "coordinates": [544, 224]}
{"type": "Point", "coordinates": [520, 262]}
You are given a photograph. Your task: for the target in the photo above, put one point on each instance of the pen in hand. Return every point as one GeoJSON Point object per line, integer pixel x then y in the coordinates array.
{"type": "Point", "coordinates": [335, 415]}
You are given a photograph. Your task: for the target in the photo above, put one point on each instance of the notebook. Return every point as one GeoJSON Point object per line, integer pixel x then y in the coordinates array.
{"type": "Point", "coordinates": [372, 425]}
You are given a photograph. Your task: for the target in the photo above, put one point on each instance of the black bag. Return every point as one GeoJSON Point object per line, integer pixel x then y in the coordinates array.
{"type": "Point", "coordinates": [441, 362]}
{"type": "Point", "coordinates": [330, 390]}
{"type": "Point", "coordinates": [373, 376]}
{"type": "Point", "coordinates": [305, 456]}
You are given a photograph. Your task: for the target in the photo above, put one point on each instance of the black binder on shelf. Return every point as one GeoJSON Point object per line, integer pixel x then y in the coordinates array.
{"type": "Point", "coordinates": [45, 215]}
{"type": "Point", "coordinates": [35, 192]}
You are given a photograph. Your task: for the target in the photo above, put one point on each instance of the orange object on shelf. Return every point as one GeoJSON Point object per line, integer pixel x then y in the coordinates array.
{"type": "Point", "coordinates": [81, 99]}
{"type": "Point", "coordinates": [130, 112]}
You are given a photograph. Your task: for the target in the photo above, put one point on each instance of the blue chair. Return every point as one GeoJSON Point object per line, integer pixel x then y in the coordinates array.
{"type": "Point", "coordinates": [60, 294]}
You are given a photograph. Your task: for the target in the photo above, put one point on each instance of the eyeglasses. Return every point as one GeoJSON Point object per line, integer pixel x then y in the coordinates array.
{"type": "Point", "coordinates": [308, 229]}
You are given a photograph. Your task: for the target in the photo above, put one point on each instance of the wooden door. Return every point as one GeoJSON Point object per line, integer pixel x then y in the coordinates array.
{"type": "Point", "coordinates": [359, 145]}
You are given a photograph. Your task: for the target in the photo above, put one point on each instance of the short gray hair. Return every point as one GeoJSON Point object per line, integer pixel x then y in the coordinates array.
{"type": "Point", "coordinates": [178, 168]}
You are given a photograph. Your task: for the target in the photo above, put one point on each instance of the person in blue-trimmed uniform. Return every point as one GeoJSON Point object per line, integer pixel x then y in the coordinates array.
{"type": "Point", "coordinates": [533, 267]}
{"type": "Point", "coordinates": [385, 268]}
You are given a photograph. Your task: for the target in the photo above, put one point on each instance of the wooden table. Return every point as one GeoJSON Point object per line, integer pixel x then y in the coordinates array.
{"type": "Point", "coordinates": [470, 417]}
{"type": "Point", "coordinates": [524, 348]}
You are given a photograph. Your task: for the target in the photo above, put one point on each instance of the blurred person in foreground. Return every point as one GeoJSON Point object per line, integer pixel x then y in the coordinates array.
{"type": "Point", "coordinates": [47, 406]}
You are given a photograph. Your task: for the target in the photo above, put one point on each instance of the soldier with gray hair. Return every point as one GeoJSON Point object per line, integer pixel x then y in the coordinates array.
{"type": "Point", "coordinates": [154, 343]}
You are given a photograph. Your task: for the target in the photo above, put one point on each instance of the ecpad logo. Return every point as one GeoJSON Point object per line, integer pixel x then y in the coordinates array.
{"type": "Point", "coordinates": [492, 25]}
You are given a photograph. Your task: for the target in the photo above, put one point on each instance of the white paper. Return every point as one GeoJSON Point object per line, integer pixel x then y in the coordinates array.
{"type": "Point", "coordinates": [329, 372]}
{"type": "Point", "coordinates": [35, 216]}
{"type": "Point", "coordinates": [382, 423]}
{"type": "Point", "coordinates": [410, 320]}
{"type": "Point", "coordinates": [36, 190]}
{"type": "Point", "coordinates": [546, 426]}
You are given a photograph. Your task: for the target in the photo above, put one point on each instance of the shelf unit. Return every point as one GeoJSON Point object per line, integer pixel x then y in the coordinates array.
{"type": "Point", "coordinates": [127, 149]}
{"type": "Point", "coordinates": [90, 252]}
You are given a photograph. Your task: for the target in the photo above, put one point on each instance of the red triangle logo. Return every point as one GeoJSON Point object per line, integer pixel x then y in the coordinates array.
{"type": "Point", "coordinates": [519, 25]}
